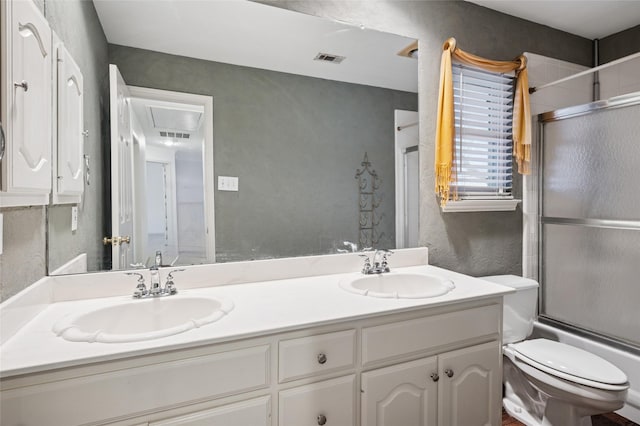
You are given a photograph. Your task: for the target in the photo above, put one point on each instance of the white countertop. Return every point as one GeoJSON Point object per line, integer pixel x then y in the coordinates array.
{"type": "Point", "coordinates": [260, 308]}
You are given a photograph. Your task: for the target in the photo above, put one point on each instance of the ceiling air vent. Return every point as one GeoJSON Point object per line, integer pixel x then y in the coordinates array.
{"type": "Point", "coordinates": [175, 135]}
{"type": "Point", "coordinates": [327, 57]}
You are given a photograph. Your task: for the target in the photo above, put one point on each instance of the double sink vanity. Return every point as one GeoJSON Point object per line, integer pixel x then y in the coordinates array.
{"type": "Point", "coordinates": [289, 342]}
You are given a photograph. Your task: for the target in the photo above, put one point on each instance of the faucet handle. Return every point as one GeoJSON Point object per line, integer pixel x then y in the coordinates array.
{"type": "Point", "coordinates": [367, 263]}
{"type": "Point", "coordinates": [170, 286]}
{"type": "Point", "coordinates": [384, 263]}
{"type": "Point", "coordinates": [141, 289]}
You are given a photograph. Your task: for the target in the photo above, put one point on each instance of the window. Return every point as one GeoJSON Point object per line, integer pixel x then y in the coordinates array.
{"type": "Point", "coordinates": [483, 151]}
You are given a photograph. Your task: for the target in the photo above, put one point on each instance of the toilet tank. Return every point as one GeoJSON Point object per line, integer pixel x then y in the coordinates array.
{"type": "Point", "coordinates": [519, 309]}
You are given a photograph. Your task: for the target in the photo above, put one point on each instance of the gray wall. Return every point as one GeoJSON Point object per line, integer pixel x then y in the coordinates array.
{"type": "Point", "coordinates": [25, 248]}
{"type": "Point", "coordinates": [472, 243]}
{"type": "Point", "coordinates": [294, 142]}
{"type": "Point", "coordinates": [620, 44]}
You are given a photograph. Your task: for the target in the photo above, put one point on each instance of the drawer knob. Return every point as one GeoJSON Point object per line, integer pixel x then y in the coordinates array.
{"type": "Point", "coordinates": [448, 372]}
{"type": "Point", "coordinates": [322, 358]}
{"type": "Point", "coordinates": [322, 419]}
{"type": "Point", "coordinates": [435, 377]}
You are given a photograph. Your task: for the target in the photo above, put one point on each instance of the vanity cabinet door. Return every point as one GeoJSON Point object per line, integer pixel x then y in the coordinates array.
{"type": "Point", "coordinates": [70, 177]}
{"type": "Point", "coordinates": [403, 394]}
{"type": "Point", "coordinates": [255, 412]}
{"type": "Point", "coordinates": [328, 403]}
{"type": "Point", "coordinates": [470, 386]}
{"type": "Point", "coordinates": [26, 102]}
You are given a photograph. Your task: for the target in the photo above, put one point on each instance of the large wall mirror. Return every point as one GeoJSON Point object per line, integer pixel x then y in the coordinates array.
{"type": "Point", "coordinates": [255, 132]}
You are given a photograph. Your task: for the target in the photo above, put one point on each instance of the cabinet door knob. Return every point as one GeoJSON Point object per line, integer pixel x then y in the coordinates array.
{"type": "Point", "coordinates": [448, 372]}
{"type": "Point", "coordinates": [22, 84]}
{"type": "Point", "coordinates": [322, 358]}
{"type": "Point", "coordinates": [322, 419]}
{"type": "Point", "coordinates": [435, 377]}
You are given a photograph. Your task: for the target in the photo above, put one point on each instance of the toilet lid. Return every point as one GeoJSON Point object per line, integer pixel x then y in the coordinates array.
{"type": "Point", "coordinates": [569, 360]}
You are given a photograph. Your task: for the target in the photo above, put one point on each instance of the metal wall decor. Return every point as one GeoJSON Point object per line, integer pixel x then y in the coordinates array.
{"type": "Point", "coordinates": [368, 201]}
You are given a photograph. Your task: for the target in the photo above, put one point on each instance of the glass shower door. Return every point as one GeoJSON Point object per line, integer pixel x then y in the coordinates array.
{"type": "Point", "coordinates": [590, 220]}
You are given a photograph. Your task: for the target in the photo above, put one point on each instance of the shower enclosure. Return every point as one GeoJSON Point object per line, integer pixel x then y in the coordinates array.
{"type": "Point", "coordinates": [589, 228]}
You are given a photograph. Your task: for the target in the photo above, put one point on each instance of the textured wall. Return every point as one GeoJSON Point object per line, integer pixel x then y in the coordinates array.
{"type": "Point", "coordinates": [295, 142]}
{"type": "Point", "coordinates": [24, 259]}
{"type": "Point", "coordinates": [620, 44]}
{"type": "Point", "coordinates": [473, 243]}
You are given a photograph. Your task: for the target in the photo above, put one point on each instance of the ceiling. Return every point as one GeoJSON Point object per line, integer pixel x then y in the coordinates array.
{"type": "Point", "coordinates": [256, 35]}
{"type": "Point", "coordinates": [587, 18]}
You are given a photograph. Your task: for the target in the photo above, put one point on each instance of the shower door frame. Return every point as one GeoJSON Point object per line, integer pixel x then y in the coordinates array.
{"type": "Point", "coordinates": [557, 115]}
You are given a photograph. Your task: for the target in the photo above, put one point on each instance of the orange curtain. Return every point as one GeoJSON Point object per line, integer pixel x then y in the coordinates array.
{"type": "Point", "coordinates": [445, 130]}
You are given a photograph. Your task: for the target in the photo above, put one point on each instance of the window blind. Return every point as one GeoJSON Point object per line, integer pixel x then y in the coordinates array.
{"type": "Point", "coordinates": [483, 109]}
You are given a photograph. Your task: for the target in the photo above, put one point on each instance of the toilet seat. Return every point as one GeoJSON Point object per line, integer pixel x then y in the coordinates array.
{"type": "Point", "coordinates": [570, 363]}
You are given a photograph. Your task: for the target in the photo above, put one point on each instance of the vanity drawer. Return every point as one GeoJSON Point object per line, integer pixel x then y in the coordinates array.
{"type": "Point", "coordinates": [395, 340]}
{"type": "Point", "coordinates": [331, 402]}
{"type": "Point", "coordinates": [313, 355]}
{"type": "Point", "coordinates": [130, 391]}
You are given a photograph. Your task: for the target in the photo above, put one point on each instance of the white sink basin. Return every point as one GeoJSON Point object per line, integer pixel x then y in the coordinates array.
{"type": "Point", "coordinates": [398, 285]}
{"type": "Point", "coordinates": [138, 320]}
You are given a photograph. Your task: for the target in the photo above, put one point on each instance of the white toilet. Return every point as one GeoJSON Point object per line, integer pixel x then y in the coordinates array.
{"type": "Point", "coordinates": [550, 383]}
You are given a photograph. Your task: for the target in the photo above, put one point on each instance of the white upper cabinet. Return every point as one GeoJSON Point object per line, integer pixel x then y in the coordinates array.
{"type": "Point", "coordinates": [69, 167]}
{"type": "Point", "coordinates": [26, 104]}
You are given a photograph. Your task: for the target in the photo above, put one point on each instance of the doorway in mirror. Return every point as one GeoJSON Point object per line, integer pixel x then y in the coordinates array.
{"type": "Point", "coordinates": [161, 193]}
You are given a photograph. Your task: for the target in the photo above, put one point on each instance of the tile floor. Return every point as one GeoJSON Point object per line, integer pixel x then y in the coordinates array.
{"type": "Point", "coordinates": [610, 419]}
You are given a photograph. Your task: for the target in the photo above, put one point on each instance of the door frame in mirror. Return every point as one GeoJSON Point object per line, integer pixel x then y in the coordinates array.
{"type": "Point", "coordinates": [209, 177]}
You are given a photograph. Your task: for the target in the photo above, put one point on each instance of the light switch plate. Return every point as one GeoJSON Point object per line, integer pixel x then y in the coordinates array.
{"type": "Point", "coordinates": [74, 218]}
{"type": "Point", "coordinates": [227, 183]}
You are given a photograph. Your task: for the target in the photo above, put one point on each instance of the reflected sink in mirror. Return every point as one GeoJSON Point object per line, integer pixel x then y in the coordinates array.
{"type": "Point", "coordinates": [398, 286]}
{"type": "Point", "coordinates": [139, 320]}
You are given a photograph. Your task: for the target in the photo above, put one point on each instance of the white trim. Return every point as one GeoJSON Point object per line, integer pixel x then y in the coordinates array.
{"type": "Point", "coordinates": [209, 183]}
{"type": "Point", "coordinates": [480, 205]}
{"type": "Point", "coordinates": [23, 199]}
{"type": "Point", "coordinates": [400, 145]}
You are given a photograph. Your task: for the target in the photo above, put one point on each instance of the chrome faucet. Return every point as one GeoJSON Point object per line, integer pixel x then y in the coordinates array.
{"type": "Point", "coordinates": [378, 264]}
{"type": "Point", "coordinates": [155, 289]}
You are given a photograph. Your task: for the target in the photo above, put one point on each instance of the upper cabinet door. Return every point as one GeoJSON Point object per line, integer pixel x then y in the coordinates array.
{"type": "Point", "coordinates": [70, 177]}
{"type": "Point", "coordinates": [28, 156]}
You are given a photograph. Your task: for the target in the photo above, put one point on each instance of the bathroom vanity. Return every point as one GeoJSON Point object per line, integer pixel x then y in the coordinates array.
{"type": "Point", "coordinates": [295, 350]}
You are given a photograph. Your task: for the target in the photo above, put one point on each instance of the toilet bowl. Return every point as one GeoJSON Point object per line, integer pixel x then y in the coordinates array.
{"type": "Point", "coordinates": [550, 383]}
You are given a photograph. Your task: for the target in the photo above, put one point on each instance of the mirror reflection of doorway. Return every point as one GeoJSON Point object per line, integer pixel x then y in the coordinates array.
{"type": "Point", "coordinates": [171, 188]}
{"type": "Point", "coordinates": [169, 185]}
{"type": "Point", "coordinates": [162, 175]}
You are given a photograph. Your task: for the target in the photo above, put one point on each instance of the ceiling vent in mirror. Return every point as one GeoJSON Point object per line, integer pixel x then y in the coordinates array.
{"type": "Point", "coordinates": [327, 57]}
{"type": "Point", "coordinates": [175, 135]}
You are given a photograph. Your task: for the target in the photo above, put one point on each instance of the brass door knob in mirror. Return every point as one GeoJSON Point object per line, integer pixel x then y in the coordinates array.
{"type": "Point", "coordinates": [116, 241]}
